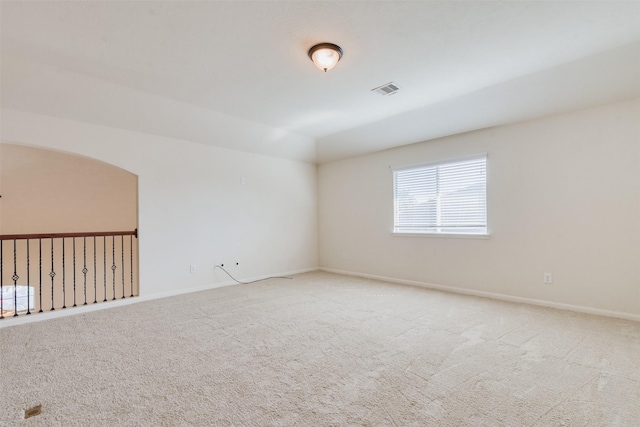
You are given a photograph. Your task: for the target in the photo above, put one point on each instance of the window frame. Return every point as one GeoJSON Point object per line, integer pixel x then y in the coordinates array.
{"type": "Point", "coordinates": [464, 235]}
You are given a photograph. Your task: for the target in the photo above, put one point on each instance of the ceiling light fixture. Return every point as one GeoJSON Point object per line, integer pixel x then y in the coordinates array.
{"type": "Point", "coordinates": [325, 55]}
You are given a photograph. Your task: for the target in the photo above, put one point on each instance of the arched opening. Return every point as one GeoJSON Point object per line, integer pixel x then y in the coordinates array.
{"type": "Point", "coordinates": [69, 230]}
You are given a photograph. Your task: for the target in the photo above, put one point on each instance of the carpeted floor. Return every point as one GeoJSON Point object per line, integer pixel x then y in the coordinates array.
{"type": "Point", "coordinates": [322, 350]}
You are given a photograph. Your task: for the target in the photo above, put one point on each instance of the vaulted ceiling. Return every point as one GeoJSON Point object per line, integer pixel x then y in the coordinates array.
{"type": "Point", "coordinates": [237, 75]}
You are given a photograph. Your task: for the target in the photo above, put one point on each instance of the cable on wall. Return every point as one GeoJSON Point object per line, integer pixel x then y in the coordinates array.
{"type": "Point", "coordinates": [253, 281]}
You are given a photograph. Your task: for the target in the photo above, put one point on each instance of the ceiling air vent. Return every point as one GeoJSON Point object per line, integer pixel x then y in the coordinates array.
{"type": "Point", "coordinates": [388, 89]}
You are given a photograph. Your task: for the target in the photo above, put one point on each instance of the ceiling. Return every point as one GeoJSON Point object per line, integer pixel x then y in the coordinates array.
{"type": "Point", "coordinates": [236, 74]}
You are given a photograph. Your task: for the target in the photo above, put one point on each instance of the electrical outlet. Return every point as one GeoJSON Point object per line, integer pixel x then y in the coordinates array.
{"type": "Point", "coordinates": [344, 256]}
{"type": "Point", "coordinates": [192, 268]}
{"type": "Point", "coordinates": [547, 278]}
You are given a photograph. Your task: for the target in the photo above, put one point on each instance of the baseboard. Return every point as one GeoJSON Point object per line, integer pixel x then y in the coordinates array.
{"type": "Point", "coordinates": [72, 311]}
{"type": "Point", "coordinates": [501, 297]}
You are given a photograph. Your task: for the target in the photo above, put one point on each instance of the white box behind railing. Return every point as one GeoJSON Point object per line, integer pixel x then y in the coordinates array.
{"type": "Point", "coordinates": [15, 298]}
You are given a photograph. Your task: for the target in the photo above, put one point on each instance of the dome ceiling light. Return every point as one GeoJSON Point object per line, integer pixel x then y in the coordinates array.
{"type": "Point", "coordinates": [325, 55]}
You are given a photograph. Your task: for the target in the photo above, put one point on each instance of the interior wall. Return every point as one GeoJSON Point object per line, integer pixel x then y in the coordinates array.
{"type": "Point", "coordinates": [563, 197]}
{"type": "Point", "coordinates": [197, 204]}
{"type": "Point", "coordinates": [45, 191]}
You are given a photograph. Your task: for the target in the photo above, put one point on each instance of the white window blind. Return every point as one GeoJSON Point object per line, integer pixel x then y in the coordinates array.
{"type": "Point", "coordinates": [447, 198]}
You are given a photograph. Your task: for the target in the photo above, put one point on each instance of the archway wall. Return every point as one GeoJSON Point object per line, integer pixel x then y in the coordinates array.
{"type": "Point", "coordinates": [45, 191]}
{"type": "Point", "coordinates": [197, 204]}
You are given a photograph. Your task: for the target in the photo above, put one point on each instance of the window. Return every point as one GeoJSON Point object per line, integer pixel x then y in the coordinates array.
{"type": "Point", "coordinates": [442, 198]}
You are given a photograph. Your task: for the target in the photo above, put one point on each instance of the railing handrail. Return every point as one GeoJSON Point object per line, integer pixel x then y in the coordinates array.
{"type": "Point", "coordinates": [59, 235]}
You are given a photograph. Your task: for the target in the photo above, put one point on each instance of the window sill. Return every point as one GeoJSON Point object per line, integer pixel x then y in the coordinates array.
{"type": "Point", "coordinates": [444, 235]}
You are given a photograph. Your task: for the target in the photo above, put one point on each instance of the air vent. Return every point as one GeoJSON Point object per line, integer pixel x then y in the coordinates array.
{"type": "Point", "coordinates": [388, 89]}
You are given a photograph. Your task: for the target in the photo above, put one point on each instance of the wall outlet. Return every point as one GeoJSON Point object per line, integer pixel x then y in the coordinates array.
{"type": "Point", "coordinates": [344, 256]}
{"type": "Point", "coordinates": [192, 268]}
{"type": "Point", "coordinates": [547, 278]}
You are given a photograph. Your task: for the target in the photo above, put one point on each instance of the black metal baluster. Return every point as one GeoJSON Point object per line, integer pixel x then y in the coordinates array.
{"type": "Point", "coordinates": [113, 264]}
{"type": "Point", "coordinates": [1, 282]}
{"type": "Point", "coordinates": [74, 272]}
{"type": "Point", "coordinates": [52, 275]}
{"type": "Point", "coordinates": [95, 273]}
{"type": "Point", "coordinates": [131, 259]}
{"type": "Point", "coordinates": [64, 290]}
{"type": "Point", "coordinates": [40, 272]}
{"type": "Point", "coordinates": [28, 280]}
{"type": "Point", "coordinates": [84, 268]}
{"type": "Point", "coordinates": [122, 252]}
{"type": "Point", "coordinates": [15, 278]}
{"type": "Point", "coordinates": [16, 302]}
{"type": "Point", "coordinates": [104, 256]}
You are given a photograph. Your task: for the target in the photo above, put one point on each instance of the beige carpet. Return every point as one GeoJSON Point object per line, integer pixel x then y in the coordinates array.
{"type": "Point", "coordinates": [322, 350]}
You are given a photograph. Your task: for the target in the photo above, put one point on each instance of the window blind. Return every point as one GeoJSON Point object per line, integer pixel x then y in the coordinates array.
{"type": "Point", "coordinates": [443, 198]}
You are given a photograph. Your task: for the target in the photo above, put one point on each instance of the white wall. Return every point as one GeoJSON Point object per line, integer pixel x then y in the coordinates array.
{"type": "Point", "coordinates": [193, 208]}
{"type": "Point", "coordinates": [563, 197]}
{"type": "Point", "coordinates": [41, 88]}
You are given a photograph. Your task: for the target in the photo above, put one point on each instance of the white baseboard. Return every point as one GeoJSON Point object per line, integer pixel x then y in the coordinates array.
{"type": "Point", "coordinates": [502, 297]}
{"type": "Point", "coordinates": [72, 311]}
{"type": "Point", "coordinates": [36, 317]}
